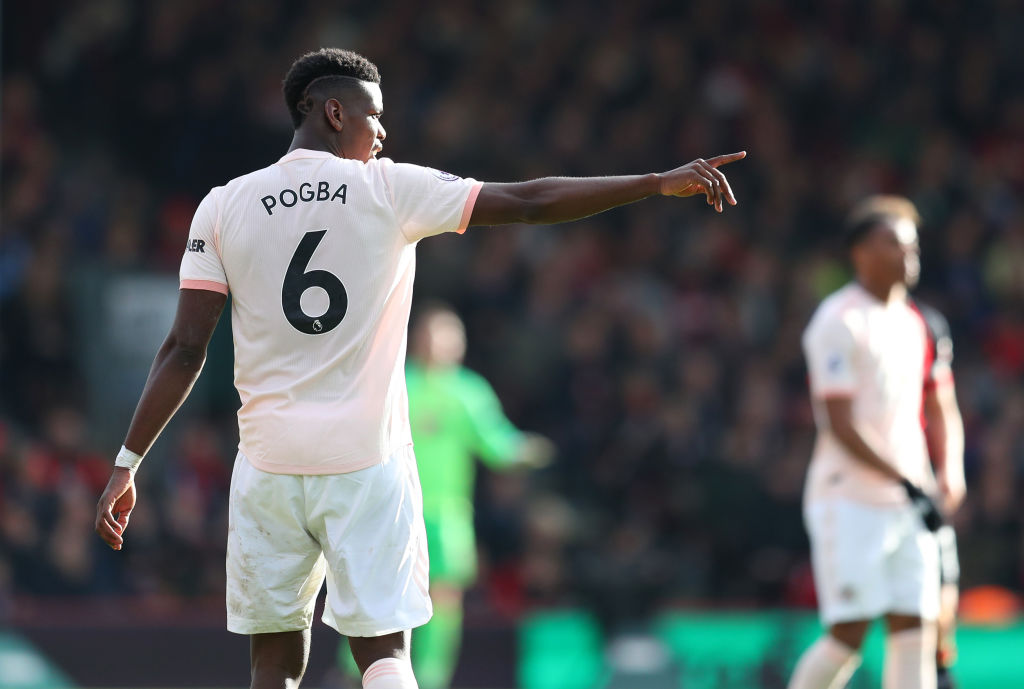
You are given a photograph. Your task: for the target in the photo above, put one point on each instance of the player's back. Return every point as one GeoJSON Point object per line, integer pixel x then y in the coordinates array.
{"type": "Point", "coordinates": [875, 353]}
{"type": "Point", "coordinates": [319, 255]}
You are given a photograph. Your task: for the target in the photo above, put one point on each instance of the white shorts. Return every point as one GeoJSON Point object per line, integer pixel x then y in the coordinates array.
{"type": "Point", "coordinates": [870, 560]}
{"type": "Point", "coordinates": [362, 530]}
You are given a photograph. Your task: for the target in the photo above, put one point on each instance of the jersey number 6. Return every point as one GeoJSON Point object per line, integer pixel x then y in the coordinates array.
{"type": "Point", "coordinates": [297, 280]}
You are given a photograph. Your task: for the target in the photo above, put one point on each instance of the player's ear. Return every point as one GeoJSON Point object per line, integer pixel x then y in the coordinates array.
{"type": "Point", "coordinates": [335, 113]}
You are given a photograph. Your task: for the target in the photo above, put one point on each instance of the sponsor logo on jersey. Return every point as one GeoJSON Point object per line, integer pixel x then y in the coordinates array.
{"type": "Point", "coordinates": [196, 245]}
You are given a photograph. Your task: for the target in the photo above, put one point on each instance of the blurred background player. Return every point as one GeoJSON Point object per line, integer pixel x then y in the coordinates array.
{"type": "Point", "coordinates": [868, 518]}
{"type": "Point", "coordinates": [456, 418]}
{"type": "Point", "coordinates": [944, 431]}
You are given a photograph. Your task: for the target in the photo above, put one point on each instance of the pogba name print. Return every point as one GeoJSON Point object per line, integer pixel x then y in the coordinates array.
{"type": "Point", "coordinates": [307, 192]}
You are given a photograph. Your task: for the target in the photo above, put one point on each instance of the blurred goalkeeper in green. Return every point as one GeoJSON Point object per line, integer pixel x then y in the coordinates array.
{"type": "Point", "coordinates": [455, 418]}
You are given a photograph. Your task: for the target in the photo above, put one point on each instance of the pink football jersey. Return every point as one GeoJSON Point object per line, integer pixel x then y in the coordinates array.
{"type": "Point", "coordinates": [318, 253]}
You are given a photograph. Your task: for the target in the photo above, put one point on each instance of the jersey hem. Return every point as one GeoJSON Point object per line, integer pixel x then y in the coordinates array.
{"type": "Point", "coordinates": [834, 393]}
{"type": "Point", "coordinates": [897, 502]}
{"type": "Point", "coordinates": [321, 469]}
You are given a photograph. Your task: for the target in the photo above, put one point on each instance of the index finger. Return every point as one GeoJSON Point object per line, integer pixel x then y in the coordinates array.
{"type": "Point", "coordinates": [726, 190]}
{"type": "Point", "coordinates": [728, 158]}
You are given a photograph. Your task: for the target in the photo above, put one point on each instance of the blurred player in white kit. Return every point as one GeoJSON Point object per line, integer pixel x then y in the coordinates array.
{"type": "Point", "coordinates": [867, 509]}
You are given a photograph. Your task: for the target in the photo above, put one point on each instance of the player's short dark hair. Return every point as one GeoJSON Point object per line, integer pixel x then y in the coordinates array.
{"type": "Point", "coordinates": [874, 210]}
{"type": "Point", "coordinates": [326, 62]}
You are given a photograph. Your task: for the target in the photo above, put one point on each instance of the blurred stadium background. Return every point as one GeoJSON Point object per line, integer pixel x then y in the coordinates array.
{"type": "Point", "coordinates": [657, 345]}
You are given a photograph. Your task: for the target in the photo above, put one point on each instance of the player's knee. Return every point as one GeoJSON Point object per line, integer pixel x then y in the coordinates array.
{"type": "Point", "coordinates": [899, 623]}
{"type": "Point", "coordinates": [850, 634]}
{"type": "Point", "coordinates": [277, 671]}
{"type": "Point", "coordinates": [278, 659]}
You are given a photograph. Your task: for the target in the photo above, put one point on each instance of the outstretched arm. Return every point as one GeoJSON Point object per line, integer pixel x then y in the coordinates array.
{"type": "Point", "coordinates": [552, 200]}
{"type": "Point", "coordinates": [175, 369]}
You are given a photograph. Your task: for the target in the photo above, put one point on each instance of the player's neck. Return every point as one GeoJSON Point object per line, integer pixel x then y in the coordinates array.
{"type": "Point", "coordinates": [885, 293]}
{"type": "Point", "coordinates": [312, 141]}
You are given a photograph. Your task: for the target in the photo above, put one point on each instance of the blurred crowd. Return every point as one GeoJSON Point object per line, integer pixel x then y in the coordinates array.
{"type": "Point", "coordinates": [657, 345]}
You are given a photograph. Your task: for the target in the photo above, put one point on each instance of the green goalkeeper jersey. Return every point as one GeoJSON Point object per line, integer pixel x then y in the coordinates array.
{"type": "Point", "coordinates": [455, 418]}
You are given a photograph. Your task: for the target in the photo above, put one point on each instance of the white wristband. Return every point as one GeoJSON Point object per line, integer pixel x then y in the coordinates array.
{"type": "Point", "coordinates": [126, 459]}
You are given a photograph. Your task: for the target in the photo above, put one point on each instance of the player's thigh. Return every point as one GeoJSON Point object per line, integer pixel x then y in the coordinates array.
{"type": "Point", "coordinates": [370, 525]}
{"type": "Point", "coordinates": [851, 634]}
{"type": "Point", "coordinates": [848, 552]}
{"type": "Point", "coordinates": [274, 568]}
{"type": "Point", "coordinates": [913, 576]}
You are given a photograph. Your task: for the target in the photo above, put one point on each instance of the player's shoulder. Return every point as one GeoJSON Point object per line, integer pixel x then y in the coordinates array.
{"type": "Point", "coordinates": [237, 185]}
{"type": "Point", "coordinates": [471, 385]}
{"type": "Point", "coordinates": [841, 306]}
{"type": "Point", "coordinates": [209, 205]}
{"type": "Point", "coordinates": [468, 376]}
{"type": "Point", "coordinates": [395, 170]}
{"type": "Point", "coordinates": [413, 372]}
{"type": "Point", "coordinates": [935, 322]}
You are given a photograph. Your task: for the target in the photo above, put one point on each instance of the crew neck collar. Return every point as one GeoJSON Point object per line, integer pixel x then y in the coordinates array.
{"type": "Point", "coordinates": [300, 153]}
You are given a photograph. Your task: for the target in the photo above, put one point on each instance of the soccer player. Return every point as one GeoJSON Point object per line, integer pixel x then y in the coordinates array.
{"type": "Point", "coordinates": [870, 522]}
{"type": "Point", "coordinates": [944, 430]}
{"type": "Point", "coordinates": [318, 252]}
{"type": "Point", "coordinates": [455, 418]}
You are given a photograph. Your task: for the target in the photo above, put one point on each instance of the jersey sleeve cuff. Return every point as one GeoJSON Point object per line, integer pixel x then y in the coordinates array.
{"type": "Point", "coordinates": [208, 285]}
{"type": "Point", "coordinates": [467, 210]}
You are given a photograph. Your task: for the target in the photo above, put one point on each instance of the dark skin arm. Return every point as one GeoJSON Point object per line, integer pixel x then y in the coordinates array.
{"type": "Point", "coordinates": [174, 371]}
{"type": "Point", "coordinates": [840, 419]}
{"type": "Point", "coordinates": [553, 200]}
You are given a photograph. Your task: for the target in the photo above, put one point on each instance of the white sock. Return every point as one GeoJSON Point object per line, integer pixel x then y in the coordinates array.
{"type": "Point", "coordinates": [390, 673]}
{"type": "Point", "coordinates": [910, 659]}
{"type": "Point", "coordinates": [828, 664]}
